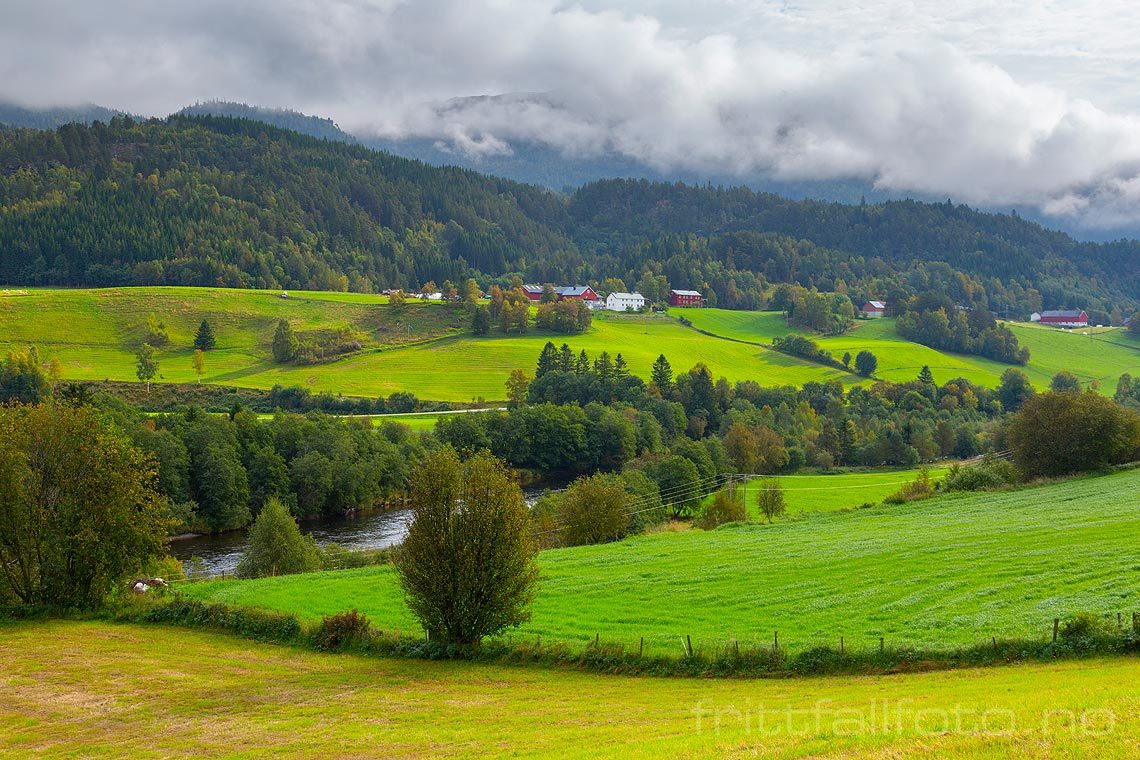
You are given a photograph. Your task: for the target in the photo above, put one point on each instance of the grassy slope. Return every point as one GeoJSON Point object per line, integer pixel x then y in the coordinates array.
{"type": "Point", "coordinates": [956, 569]}
{"type": "Point", "coordinates": [95, 333]}
{"type": "Point", "coordinates": [828, 493]}
{"type": "Point", "coordinates": [1103, 355]}
{"type": "Point", "coordinates": [88, 689]}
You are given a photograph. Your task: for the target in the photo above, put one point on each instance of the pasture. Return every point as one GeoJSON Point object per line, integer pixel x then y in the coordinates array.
{"type": "Point", "coordinates": [84, 688]}
{"type": "Point", "coordinates": [956, 569]}
{"type": "Point", "coordinates": [424, 348]}
{"type": "Point", "coordinates": [829, 493]}
{"type": "Point", "coordinates": [1101, 355]}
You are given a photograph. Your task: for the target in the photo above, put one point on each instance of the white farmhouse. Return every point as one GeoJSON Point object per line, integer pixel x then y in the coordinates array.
{"type": "Point", "coordinates": [625, 301]}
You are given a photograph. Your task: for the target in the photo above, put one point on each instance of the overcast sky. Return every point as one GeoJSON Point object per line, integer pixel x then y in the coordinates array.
{"type": "Point", "coordinates": [994, 103]}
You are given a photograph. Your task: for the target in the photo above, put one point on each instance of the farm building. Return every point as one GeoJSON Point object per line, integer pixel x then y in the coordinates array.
{"type": "Point", "coordinates": [625, 301]}
{"type": "Point", "coordinates": [873, 309]}
{"type": "Point", "coordinates": [1070, 318]}
{"type": "Point", "coordinates": [685, 298]}
{"type": "Point", "coordinates": [577, 292]}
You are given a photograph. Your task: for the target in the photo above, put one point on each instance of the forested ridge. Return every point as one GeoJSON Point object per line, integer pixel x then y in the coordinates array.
{"type": "Point", "coordinates": [205, 200]}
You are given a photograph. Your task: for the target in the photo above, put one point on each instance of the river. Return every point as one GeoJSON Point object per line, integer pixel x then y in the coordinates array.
{"type": "Point", "coordinates": [220, 553]}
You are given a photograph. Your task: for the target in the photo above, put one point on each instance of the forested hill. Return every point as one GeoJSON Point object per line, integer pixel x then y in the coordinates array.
{"type": "Point", "coordinates": [208, 200]}
{"type": "Point", "coordinates": [220, 201]}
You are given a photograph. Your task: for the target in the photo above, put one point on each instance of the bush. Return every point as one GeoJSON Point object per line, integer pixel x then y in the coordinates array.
{"type": "Point", "coordinates": [919, 488]}
{"type": "Point", "coordinates": [342, 630]}
{"type": "Point", "coordinates": [991, 472]}
{"type": "Point", "coordinates": [595, 510]}
{"type": "Point", "coordinates": [725, 507]}
{"type": "Point", "coordinates": [771, 499]}
{"type": "Point", "coordinates": [467, 564]}
{"type": "Point", "coordinates": [277, 546]}
{"type": "Point", "coordinates": [1086, 628]}
{"type": "Point", "coordinates": [1067, 432]}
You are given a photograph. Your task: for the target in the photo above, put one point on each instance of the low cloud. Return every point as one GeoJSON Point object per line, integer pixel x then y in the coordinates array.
{"type": "Point", "coordinates": [765, 91]}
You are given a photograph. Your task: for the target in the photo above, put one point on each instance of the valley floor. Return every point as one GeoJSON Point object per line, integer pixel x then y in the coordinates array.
{"type": "Point", "coordinates": [101, 689]}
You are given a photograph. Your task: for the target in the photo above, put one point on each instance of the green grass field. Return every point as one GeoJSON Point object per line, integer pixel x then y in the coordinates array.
{"type": "Point", "coordinates": [829, 493]}
{"type": "Point", "coordinates": [95, 333]}
{"type": "Point", "coordinates": [1102, 355]}
{"type": "Point", "coordinates": [956, 569]}
{"type": "Point", "coordinates": [72, 689]}
{"type": "Point", "coordinates": [426, 348]}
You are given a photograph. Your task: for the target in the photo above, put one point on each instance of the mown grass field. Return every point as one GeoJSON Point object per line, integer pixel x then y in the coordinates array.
{"type": "Point", "coordinates": [828, 493]}
{"type": "Point", "coordinates": [425, 349]}
{"type": "Point", "coordinates": [97, 689]}
{"type": "Point", "coordinates": [956, 569]}
{"type": "Point", "coordinates": [1102, 355]}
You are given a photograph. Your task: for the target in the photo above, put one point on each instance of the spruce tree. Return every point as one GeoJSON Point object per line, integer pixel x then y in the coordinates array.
{"type": "Point", "coordinates": [662, 374]}
{"type": "Point", "coordinates": [204, 340]}
{"type": "Point", "coordinates": [284, 343]}
{"type": "Point", "coordinates": [926, 377]}
{"type": "Point", "coordinates": [547, 361]}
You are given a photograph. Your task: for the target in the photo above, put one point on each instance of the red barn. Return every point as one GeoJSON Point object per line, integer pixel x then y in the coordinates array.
{"type": "Point", "coordinates": [873, 309]}
{"type": "Point", "coordinates": [576, 292]}
{"type": "Point", "coordinates": [685, 298]}
{"type": "Point", "coordinates": [1071, 318]}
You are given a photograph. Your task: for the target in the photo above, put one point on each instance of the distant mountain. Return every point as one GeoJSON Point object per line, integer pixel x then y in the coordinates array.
{"type": "Point", "coordinates": [14, 116]}
{"type": "Point", "coordinates": [314, 126]}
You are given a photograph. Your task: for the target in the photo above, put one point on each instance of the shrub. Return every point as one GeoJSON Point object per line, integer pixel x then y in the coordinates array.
{"type": "Point", "coordinates": [991, 472]}
{"type": "Point", "coordinates": [771, 499]}
{"type": "Point", "coordinates": [866, 363]}
{"type": "Point", "coordinates": [277, 546]}
{"type": "Point", "coordinates": [467, 564]}
{"type": "Point", "coordinates": [725, 507]}
{"type": "Point", "coordinates": [342, 630]}
{"type": "Point", "coordinates": [595, 510]}
{"type": "Point", "coordinates": [1067, 432]}
{"type": "Point", "coordinates": [1086, 628]}
{"type": "Point", "coordinates": [919, 488]}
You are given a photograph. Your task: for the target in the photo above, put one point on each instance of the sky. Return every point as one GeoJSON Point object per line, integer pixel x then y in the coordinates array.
{"type": "Point", "coordinates": [1033, 104]}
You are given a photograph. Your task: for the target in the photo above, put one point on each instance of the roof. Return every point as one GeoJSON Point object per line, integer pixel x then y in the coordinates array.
{"type": "Point", "coordinates": [627, 295]}
{"type": "Point", "coordinates": [1070, 314]}
{"type": "Point", "coordinates": [532, 288]}
{"type": "Point", "coordinates": [696, 293]}
{"type": "Point", "coordinates": [572, 290]}
{"type": "Point", "coordinates": [876, 304]}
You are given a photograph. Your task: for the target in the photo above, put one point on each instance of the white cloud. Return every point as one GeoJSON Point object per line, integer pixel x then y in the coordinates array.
{"type": "Point", "coordinates": [988, 103]}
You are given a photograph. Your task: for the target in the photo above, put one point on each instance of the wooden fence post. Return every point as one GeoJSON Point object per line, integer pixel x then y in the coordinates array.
{"type": "Point", "coordinates": [1056, 628]}
{"type": "Point", "coordinates": [840, 645]}
{"type": "Point", "coordinates": [775, 641]}
{"type": "Point", "coordinates": [597, 638]}
{"type": "Point", "coordinates": [689, 644]}
{"type": "Point", "coordinates": [882, 645]}
{"type": "Point", "coordinates": [641, 647]}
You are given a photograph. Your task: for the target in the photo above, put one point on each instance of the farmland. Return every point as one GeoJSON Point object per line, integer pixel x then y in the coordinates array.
{"type": "Point", "coordinates": [426, 348]}
{"type": "Point", "coordinates": [70, 688]}
{"type": "Point", "coordinates": [827, 493]}
{"type": "Point", "coordinates": [1102, 354]}
{"type": "Point", "coordinates": [956, 569]}
{"type": "Point", "coordinates": [423, 349]}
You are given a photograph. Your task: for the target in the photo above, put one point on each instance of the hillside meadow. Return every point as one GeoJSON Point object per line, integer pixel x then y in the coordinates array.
{"type": "Point", "coordinates": [956, 569]}
{"type": "Point", "coordinates": [423, 348]}
{"type": "Point", "coordinates": [427, 349]}
{"type": "Point", "coordinates": [71, 688]}
{"type": "Point", "coordinates": [1095, 354]}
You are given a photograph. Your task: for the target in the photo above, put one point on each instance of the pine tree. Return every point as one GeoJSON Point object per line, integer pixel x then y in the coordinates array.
{"type": "Point", "coordinates": [204, 340]}
{"type": "Point", "coordinates": [926, 377]}
{"type": "Point", "coordinates": [565, 358]}
{"type": "Point", "coordinates": [547, 361]}
{"type": "Point", "coordinates": [662, 374]}
{"type": "Point", "coordinates": [481, 320]}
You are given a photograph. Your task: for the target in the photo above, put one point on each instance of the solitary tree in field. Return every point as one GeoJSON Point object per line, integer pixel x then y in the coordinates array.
{"type": "Point", "coordinates": [146, 365]}
{"type": "Point", "coordinates": [467, 565]}
{"type": "Point", "coordinates": [866, 363]}
{"type": "Point", "coordinates": [284, 343]}
{"type": "Point", "coordinates": [771, 499]}
{"type": "Point", "coordinates": [199, 363]}
{"type": "Point", "coordinates": [204, 340]}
